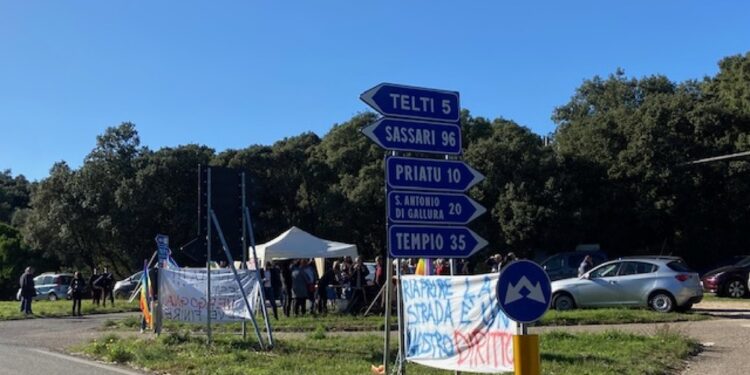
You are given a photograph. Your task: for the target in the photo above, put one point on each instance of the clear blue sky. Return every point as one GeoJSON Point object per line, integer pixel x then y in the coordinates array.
{"type": "Point", "coordinates": [231, 74]}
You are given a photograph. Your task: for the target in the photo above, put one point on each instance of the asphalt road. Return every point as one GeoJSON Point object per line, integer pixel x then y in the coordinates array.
{"type": "Point", "coordinates": [36, 346]}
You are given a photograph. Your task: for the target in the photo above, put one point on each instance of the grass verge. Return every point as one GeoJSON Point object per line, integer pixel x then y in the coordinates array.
{"type": "Point", "coordinates": [348, 323]}
{"type": "Point", "coordinates": [614, 316]}
{"type": "Point", "coordinates": [9, 310]}
{"type": "Point", "coordinates": [710, 297]}
{"type": "Point", "coordinates": [182, 352]}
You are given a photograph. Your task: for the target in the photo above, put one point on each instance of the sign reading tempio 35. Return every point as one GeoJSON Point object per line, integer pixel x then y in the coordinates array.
{"type": "Point", "coordinates": [433, 241]}
{"type": "Point", "coordinates": [413, 102]}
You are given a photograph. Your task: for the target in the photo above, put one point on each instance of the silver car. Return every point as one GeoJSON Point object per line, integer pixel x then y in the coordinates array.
{"type": "Point", "coordinates": [52, 286]}
{"type": "Point", "coordinates": [661, 283]}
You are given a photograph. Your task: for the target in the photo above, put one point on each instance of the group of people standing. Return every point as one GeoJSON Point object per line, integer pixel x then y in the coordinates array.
{"type": "Point", "coordinates": [498, 261]}
{"type": "Point", "coordinates": [101, 286]}
{"type": "Point", "coordinates": [297, 282]}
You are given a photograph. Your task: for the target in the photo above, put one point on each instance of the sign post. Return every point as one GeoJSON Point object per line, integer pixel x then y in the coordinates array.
{"type": "Point", "coordinates": [524, 293]}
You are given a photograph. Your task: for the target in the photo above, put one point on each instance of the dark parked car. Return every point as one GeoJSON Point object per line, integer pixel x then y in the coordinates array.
{"type": "Point", "coordinates": [124, 288]}
{"type": "Point", "coordinates": [728, 281]}
{"type": "Point", "coordinates": [565, 265]}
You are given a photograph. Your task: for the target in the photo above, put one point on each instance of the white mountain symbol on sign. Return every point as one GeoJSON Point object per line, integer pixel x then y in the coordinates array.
{"type": "Point", "coordinates": [514, 291]}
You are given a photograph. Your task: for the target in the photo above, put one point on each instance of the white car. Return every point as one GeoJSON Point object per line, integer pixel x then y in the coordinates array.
{"type": "Point", "coordinates": [661, 283]}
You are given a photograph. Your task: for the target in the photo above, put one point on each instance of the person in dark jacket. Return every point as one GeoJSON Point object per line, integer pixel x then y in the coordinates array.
{"type": "Point", "coordinates": [585, 265]}
{"type": "Point", "coordinates": [28, 290]}
{"type": "Point", "coordinates": [379, 272]}
{"type": "Point", "coordinates": [96, 292]}
{"type": "Point", "coordinates": [311, 272]}
{"type": "Point", "coordinates": [299, 287]}
{"type": "Point", "coordinates": [324, 282]}
{"type": "Point", "coordinates": [286, 278]}
{"type": "Point", "coordinates": [108, 287]}
{"type": "Point", "coordinates": [358, 283]}
{"type": "Point", "coordinates": [76, 288]}
{"type": "Point", "coordinates": [266, 275]}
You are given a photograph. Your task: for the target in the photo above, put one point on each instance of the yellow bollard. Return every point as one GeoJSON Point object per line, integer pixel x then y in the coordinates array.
{"type": "Point", "coordinates": [526, 355]}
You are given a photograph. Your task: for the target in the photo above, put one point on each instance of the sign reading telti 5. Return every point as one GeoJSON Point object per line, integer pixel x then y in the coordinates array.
{"type": "Point", "coordinates": [413, 102]}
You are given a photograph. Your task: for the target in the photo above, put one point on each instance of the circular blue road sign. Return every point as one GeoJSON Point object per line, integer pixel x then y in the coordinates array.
{"type": "Point", "coordinates": [524, 291]}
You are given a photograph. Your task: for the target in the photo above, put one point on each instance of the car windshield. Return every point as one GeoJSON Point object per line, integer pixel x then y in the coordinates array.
{"type": "Point", "coordinates": [605, 270]}
{"type": "Point", "coordinates": [744, 263]}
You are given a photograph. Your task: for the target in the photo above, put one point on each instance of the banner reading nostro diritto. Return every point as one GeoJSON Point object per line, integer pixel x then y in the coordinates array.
{"type": "Point", "coordinates": [455, 323]}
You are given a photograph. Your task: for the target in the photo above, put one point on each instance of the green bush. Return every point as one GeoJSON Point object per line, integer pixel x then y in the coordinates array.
{"type": "Point", "coordinates": [119, 353]}
{"type": "Point", "coordinates": [175, 338]}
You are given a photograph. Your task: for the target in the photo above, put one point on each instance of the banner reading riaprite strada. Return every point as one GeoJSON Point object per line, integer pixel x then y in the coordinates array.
{"type": "Point", "coordinates": [182, 293]}
{"type": "Point", "coordinates": [455, 323]}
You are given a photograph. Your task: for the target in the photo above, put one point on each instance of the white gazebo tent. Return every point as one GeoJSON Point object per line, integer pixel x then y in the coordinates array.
{"type": "Point", "coordinates": [296, 243]}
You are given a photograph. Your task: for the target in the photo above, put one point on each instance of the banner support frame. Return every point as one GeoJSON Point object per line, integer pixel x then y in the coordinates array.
{"type": "Point", "coordinates": [237, 278]}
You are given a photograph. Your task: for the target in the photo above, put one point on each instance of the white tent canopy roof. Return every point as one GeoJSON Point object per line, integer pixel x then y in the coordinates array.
{"type": "Point", "coordinates": [296, 243]}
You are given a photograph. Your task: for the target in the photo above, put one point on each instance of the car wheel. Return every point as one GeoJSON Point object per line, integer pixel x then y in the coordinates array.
{"type": "Point", "coordinates": [563, 302]}
{"type": "Point", "coordinates": [52, 297]}
{"type": "Point", "coordinates": [661, 302]}
{"type": "Point", "coordinates": [735, 289]}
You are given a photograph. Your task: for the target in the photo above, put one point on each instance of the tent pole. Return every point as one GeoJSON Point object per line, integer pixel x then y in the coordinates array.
{"type": "Point", "coordinates": [237, 277]}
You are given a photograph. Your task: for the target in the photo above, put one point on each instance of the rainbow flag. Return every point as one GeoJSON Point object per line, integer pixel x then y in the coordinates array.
{"type": "Point", "coordinates": [145, 300]}
{"type": "Point", "coordinates": [423, 267]}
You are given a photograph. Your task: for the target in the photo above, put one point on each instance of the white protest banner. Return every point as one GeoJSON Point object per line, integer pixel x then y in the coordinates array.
{"type": "Point", "coordinates": [182, 293]}
{"type": "Point", "coordinates": [455, 323]}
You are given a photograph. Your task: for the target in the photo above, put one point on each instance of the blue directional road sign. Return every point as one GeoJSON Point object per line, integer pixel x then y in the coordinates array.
{"type": "Point", "coordinates": [414, 241]}
{"type": "Point", "coordinates": [413, 102]}
{"type": "Point", "coordinates": [431, 208]}
{"type": "Point", "coordinates": [162, 246]}
{"type": "Point", "coordinates": [524, 291]}
{"type": "Point", "coordinates": [411, 135]}
{"type": "Point", "coordinates": [430, 174]}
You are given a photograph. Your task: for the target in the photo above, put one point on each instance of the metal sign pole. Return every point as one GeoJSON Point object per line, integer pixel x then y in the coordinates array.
{"type": "Point", "coordinates": [452, 270]}
{"type": "Point", "coordinates": [388, 289]}
{"type": "Point", "coordinates": [208, 256]}
{"type": "Point", "coordinates": [237, 277]}
{"type": "Point", "coordinates": [244, 243]}
{"type": "Point", "coordinates": [262, 293]}
{"type": "Point", "coordinates": [159, 307]}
